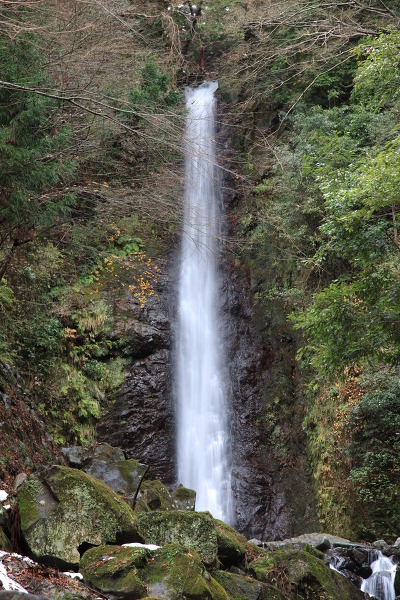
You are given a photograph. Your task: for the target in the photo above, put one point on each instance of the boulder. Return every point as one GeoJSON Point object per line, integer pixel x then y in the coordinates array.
{"type": "Point", "coordinates": [184, 498]}
{"type": "Point", "coordinates": [109, 465]}
{"type": "Point", "coordinates": [231, 544]}
{"type": "Point", "coordinates": [112, 571]}
{"type": "Point", "coordinates": [195, 531]}
{"type": "Point", "coordinates": [155, 495]}
{"type": "Point", "coordinates": [302, 573]}
{"type": "Point", "coordinates": [238, 586]}
{"type": "Point", "coordinates": [174, 572]}
{"type": "Point", "coordinates": [64, 511]}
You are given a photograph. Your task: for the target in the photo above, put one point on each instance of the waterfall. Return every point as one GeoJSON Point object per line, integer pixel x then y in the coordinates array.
{"type": "Point", "coordinates": [381, 583]}
{"type": "Point", "coordinates": [202, 438]}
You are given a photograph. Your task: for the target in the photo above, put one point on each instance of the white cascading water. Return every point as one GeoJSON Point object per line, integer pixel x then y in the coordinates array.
{"type": "Point", "coordinates": [381, 583]}
{"type": "Point", "coordinates": [202, 438]}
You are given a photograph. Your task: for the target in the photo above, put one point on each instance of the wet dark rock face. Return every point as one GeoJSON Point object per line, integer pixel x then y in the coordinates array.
{"type": "Point", "coordinates": [270, 479]}
{"type": "Point", "coordinates": [141, 421]}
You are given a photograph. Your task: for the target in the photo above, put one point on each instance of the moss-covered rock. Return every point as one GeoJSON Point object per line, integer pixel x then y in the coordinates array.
{"type": "Point", "coordinates": [175, 572]}
{"type": "Point", "coordinates": [5, 543]}
{"type": "Point", "coordinates": [63, 510]}
{"type": "Point", "coordinates": [193, 530]}
{"type": "Point", "coordinates": [156, 495]}
{"type": "Point", "coordinates": [302, 573]}
{"type": "Point", "coordinates": [239, 586]}
{"type": "Point", "coordinates": [231, 544]}
{"type": "Point", "coordinates": [112, 570]}
{"type": "Point", "coordinates": [184, 498]}
{"type": "Point", "coordinates": [108, 464]}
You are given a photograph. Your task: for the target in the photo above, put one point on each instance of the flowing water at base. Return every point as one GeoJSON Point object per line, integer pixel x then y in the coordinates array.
{"type": "Point", "coordinates": [202, 438]}
{"type": "Point", "coordinates": [380, 584]}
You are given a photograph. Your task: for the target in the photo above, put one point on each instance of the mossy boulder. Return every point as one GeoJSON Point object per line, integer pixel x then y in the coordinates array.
{"type": "Point", "coordinates": [5, 543]}
{"type": "Point", "coordinates": [302, 573]}
{"type": "Point", "coordinates": [184, 498]}
{"type": "Point", "coordinates": [239, 586]}
{"type": "Point", "coordinates": [231, 544]}
{"type": "Point", "coordinates": [108, 464]}
{"type": "Point", "coordinates": [176, 572]}
{"type": "Point", "coordinates": [112, 570]}
{"type": "Point", "coordinates": [64, 510]}
{"type": "Point", "coordinates": [193, 530]}
{"type": "Point", "coordinates": [156, 496]}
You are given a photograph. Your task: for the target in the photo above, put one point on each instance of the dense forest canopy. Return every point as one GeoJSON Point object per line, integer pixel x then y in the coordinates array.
{"type": "Point", "coordinates": [90, 136]}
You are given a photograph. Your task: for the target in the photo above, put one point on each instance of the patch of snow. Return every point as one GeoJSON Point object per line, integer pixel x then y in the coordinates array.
{"type": "Point", "coordinates": [9, 584]}
{"type": "Point", "coordinates": [3, 495]}
{"type": "Point", "coordinates": [28, 561]}
{"type": "Point", "coordinates": [7, 506]}
{"type": "Point", "coordinates": [74, 575]}
{"type": "Point", "coordinates": [137, 545]}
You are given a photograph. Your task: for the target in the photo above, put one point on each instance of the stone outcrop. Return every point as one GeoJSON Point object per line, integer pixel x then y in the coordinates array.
{"type": "Point", "coordinates": [113, 571]}
{"type": "Point", "coordinates": [184, 498]}
{"type": "Point", "coordinates": [303, 574]}
{"type": "Point", "coordinates": [240, 586]}
{"type": "Point", "coordinates": [64, 511]}
{"type": "Point", "coordinates": [271, 479]}
{"type": "Point", "coordinates": [108, 464]}
{"type": "Point", "coordinates": [72, 519]}
{"type": "Point", "coordinates": [231, 544]}
{"type": "Point", "coordinates": [195, 531]}
{"type": "Point", "coordinates": [167, 573]}
{"type": "Point", "coordinates": [141, 421]}
{"type": "Point", "coordinates": [177, 573]}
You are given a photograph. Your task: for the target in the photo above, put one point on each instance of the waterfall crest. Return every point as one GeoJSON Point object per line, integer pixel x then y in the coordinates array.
{"type": "Point", "coordinates": [202, 439]}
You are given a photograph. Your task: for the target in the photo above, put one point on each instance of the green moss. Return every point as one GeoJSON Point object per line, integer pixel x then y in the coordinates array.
{"type": "Point", "coordinates": [131, 471]}
{"type": "Point", "coordinates": [182, 493]}
{"type": "Point", "coordinates": [301, 574]}
{"type": "Point", "coordinates": [159, 567]}
{"type": "Point", "coordinates": [72, 508]}
{"type": "Point", "coordinates": [239, 587]}
{"type": "Point", "coordinates": [181, 574]}
{"type": "Point", "coordinates": [113, 570]}
{"type": "Point", "coordinates": [5, 543]}
{"type": "Point", "coordinates": [28, 498]}
{"type": "Point", "coordinates": [72, 485]}
{"type": "Point", "coordinates": [126, 467]}
{"type": "Point", "coordinates": [107, 567]}
{"type": "Point", "coordinates": [156, 495]}
{"type": "Point", "coordinates": [141, 506]}
{"type": "Point", "coordinates": [231, 544]}
{"type": "Point", "coordinates": [193, 530]}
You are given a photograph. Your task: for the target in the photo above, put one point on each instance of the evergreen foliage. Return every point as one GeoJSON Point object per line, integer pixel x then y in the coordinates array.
{"type": "Point", "coordinates": [33, 170]}
{"type": "Point", "coordinates": [321, 224]}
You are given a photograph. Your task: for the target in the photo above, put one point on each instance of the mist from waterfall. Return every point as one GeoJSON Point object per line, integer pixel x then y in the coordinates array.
{"type": "Point", "coordinates": [202, 412]}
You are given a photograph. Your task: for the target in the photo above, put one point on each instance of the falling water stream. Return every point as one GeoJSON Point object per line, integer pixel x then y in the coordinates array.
{"type": "Point", "coordinates": [380, 584]}
{"type": "Point", "coordinates": [202, 439]}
